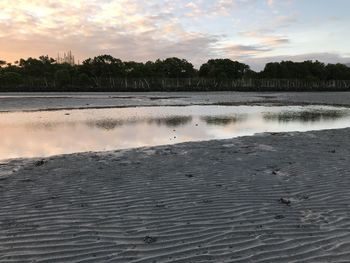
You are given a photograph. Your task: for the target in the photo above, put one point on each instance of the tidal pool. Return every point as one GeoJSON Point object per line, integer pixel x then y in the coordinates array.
{"type": "Point", "coordinates": [46, 133]}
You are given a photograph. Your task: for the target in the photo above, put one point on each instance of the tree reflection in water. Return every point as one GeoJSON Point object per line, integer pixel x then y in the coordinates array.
{"type": "Point", "coordinates": [110, 123]}
{"type": "Point", "coordinates": [304, 116]}
{"type": "Point", "coordinates": [223, 120]}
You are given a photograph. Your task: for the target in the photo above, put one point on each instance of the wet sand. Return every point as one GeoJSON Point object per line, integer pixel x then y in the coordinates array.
{"type": "Point", "coordinates": [266, 198]}
{"type": "Point", "coordinates": [54, 101]}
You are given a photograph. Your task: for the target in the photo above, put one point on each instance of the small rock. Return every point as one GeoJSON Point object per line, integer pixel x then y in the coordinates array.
{"type": "Point", "coordinates": [39, 163]}
{"type": "Point", "coordinates": [275, 172]}
{"type": "Point", "coordinates": [285, 201]}
{"type": "Point", "coordinates": [149, 239]}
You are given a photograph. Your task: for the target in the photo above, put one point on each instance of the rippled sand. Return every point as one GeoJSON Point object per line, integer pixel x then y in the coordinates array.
{"type": "Point", "coordinates": [266, 198]}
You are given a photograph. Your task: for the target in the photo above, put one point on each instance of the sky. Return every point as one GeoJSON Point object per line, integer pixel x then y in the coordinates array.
{"type": "Point", "coordinates": [250, 31]}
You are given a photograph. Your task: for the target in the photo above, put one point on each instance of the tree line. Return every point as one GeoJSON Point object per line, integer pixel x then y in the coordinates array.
{"type": "Point", "coordinates": [106, 73]}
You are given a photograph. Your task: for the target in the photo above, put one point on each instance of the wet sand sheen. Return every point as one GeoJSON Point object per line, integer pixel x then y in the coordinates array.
{"type": "Point", "coordinates": [252, 199]}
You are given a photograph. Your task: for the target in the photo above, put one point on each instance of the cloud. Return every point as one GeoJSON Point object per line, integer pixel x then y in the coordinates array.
{"type": "Point", "coordinates": [121, 27]}
{"type": "Point", "coordinates": [284, 21]}
{"type": "Point", "coordinates": [145, 30]}
{"type": "Point", "coordinates": [194, 10]}
{"type": "Point", "coordinates": [266, 38]}
{"type": "Point", "coordinates": [270, 2]}
{"type": "Point", "coordinates": [275, 2]}
{"type": "Point", "coordinates": [225, 7]}
{"type": "Point", "coordinates": [239, 52]}
{"type": "Point", "coordinates": [128, 29]}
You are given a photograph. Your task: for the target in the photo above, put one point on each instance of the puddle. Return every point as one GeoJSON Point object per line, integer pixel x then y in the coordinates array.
{"type": "Point", "coordinates": [46, 133]}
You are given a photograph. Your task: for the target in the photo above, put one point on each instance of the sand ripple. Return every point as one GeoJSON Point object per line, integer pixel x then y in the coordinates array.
{"type": "Point", "coordinates": [271, 198]}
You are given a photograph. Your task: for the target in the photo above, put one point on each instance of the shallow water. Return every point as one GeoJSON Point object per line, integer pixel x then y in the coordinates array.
{"type": "Point", "coordinates": [46, 133]}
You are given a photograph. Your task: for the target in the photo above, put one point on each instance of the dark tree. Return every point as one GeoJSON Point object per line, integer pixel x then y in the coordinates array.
{"type": "Point", "coordinates": [107, 73]}
{"type": "Point", "coordinates": [11, 78]}
{"type": "Point", "coordinates": [83, 80]}
{"type": "Point", "coordinates": [2, 63]}
{"type": "Point", "coordinates": [37, 67]}
{"type": "Point", "coordinates": [175, 68]}
{"type": "Point", "coordinates": [337, 71]}
{"type": "Point", "coordinates": [223, 68]}
{"type": "Point", "coordinates": [134, 69]}
{"type": "Point", "coordinates": [62, 78]}
{"type": "Point", "coordinates": [307, 70]}
{"type": "Point", "coordinates": [103, 66]}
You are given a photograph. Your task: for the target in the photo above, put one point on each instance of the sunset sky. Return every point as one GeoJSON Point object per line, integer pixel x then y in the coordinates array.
{"type": "Point", "coordinates": [252, 31]}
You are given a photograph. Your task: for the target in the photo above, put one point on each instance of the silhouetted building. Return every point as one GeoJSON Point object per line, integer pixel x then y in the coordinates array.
{"type": "Point", "coordinates": [67, 58]}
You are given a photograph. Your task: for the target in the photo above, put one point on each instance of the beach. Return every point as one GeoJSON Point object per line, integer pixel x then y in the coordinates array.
{"type": "Point", "coordinates": [174, 131]}
{"type": "Point", "coordinates": [70, 100]}
{"type": "Point", "coordinates": [273, 197]}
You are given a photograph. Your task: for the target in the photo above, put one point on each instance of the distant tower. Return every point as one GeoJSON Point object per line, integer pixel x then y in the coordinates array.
{"type": "Point", "coordinates": [67, 58]}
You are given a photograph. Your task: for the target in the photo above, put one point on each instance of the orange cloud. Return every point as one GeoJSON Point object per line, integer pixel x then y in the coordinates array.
{"type": "Point", "coordinates": [88, 28]}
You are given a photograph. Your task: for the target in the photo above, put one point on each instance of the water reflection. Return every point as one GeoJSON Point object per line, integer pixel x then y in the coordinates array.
{"type": "Point", "coordinates": [110, 124]}
{"type": "Point", "coordinates": [305, 116]}
{"type": "Point", "coordinates": [107, 124]}
{"type": "Point", "coordinates": [45, 125]}
{"type": "Point", "coordinates": [33, 134]}
{"type": "Point", "coordinates": [223, 120]}
{"type": "Point", "coordinates": [171, 122]}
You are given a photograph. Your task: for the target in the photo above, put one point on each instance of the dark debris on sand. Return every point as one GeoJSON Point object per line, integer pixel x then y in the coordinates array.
{"type": "Point", "coordinates": [149, 239]}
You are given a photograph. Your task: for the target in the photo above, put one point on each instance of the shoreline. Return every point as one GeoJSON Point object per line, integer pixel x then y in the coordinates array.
{"type": "Point", "coordinates": [271, 197]}
{"type": "Point", "coordinates": [254, 103]}
{"type": "Point", "coordinates": [25, 103]}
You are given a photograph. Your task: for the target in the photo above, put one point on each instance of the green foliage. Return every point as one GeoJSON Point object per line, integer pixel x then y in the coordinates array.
{"type": "Point", "coordinates": [103, 66]}
{"type": "Point", "coordinates": [134, 69]}
{"type": "Point", "coordinates": [337, 71]}
{"type": "Point", "coordinates": [37, 67]}
{"type": "Point", "coordinates": [107, 73]}
{"type": "Point", "coordinates": [2, 63]}
{"type": "Point", "coordinates": [84, 80]}
{"type": "Point", "coordinates": [11, 78]}
{"type": "Point", "coordinates": [307, 70]}
{"type": "Point", "coordinates": [174, 68]}
{"type": "Point", "coordinates": [223, 69]}
{"type": "Point", "coordinates": [62, 78]}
